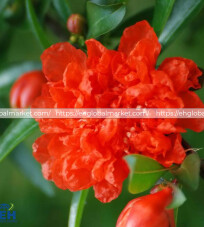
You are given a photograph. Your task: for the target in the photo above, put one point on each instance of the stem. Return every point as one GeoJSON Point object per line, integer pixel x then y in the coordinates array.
{"type": "Point", "coordinates": [77, 207]}
{"type": "Point", "coordinates": [176, 215]}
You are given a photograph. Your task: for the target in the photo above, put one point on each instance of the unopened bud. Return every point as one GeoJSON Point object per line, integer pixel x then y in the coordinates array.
{"type": "Point", "coordinates": [76, 24]}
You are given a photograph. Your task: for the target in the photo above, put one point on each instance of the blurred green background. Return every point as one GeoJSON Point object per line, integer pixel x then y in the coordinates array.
{"type": "Point", "coordinates": [39, 204]}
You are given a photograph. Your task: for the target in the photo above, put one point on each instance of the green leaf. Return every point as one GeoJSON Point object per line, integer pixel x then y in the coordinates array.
{"type": "Point", "coordinates": [23, 159]}
{"type": "Point", "coordinates": [178, 197]}
{"type": "Point", "coordinates": [77, 207]}
{"type": "Point", "coordinates": [137, 6]}
{"type": "Point", "coordinates": [116, 34]}
{"type": "Point", "coordinates": [35, 25]}
{"type": "Point", "coordinates": [17, 131]}
{"type": "Point", "coordinates": [102, 19]}
{"type": "Point", "coordinates": [6, 33]}
{"type": "Point", "coordinates": [188, 172]}
{"type": "Point", "coordinates": [11, 72]}
{"type": "Point", "coordinates": [162, 11]}
{"type": "Point", "coordinates": [62, 9]}
{"type": "Point", "coordinates": [144, 15]}
{"type": "Point", "coordinates": [77, 6]}
{"type": "Point", "coordinates": [43, 7]}
{"type": "Point", "coordinates": [183, 11]}
{"type": "Point", "coordinates": [144, 172]}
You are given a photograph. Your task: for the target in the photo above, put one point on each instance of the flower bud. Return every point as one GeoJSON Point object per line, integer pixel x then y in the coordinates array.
{"type": "Point", "coordinates": [149, 210]}
{"type": "Point", "coordinates": [76, 23]}
{"type": "Point", "coordinates": [26, 89]}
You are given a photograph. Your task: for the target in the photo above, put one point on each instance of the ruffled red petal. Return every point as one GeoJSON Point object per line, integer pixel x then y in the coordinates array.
{"type": "Point", "coordinates": [106, 192]}
{"type": "Point", "coordinates": [183, 72]}
{"type": "Point", "coordinates": [40, 148]}
{"type": "Point", "coordinates": [137, 39]}
{"type": "Point", "coordinates": [56, 58]}
{"type": "Point", "coordinates": [176, 154]}
{"type": "Point", "coordinates": [95, 50]}
{"type": "Point", "coordinates": [192, 100]}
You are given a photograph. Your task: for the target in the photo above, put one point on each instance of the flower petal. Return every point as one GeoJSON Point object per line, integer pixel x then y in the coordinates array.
{"type": "Point", "coordinates": [57, 57]}
{"type": "Point", "coordinates": [106, 192]}
{"type": "Point", "coordinates": [191, 100]}
{"type": "Point", "coordinates": [183, 72]}
{"type": "Point", "coordinates": [95, 50]}
{"type": "Point", "coordinates": [40, 148]}
{"type": "Point", "coordinates": [132, 37]}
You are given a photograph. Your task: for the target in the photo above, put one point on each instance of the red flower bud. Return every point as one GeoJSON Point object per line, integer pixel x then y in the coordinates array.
{"type": "Point", "coordinates": [26, 89]}
{"type": "Point", "coordinates": [75, 24]}
{"type": "Point", "coordinates": [148, 211]}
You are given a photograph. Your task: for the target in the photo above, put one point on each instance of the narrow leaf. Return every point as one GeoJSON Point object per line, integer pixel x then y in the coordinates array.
{"type": "Point", "coordinates": [144, 173]}
{"type": "Point", "coordinates": [178, 197]}
{"type": "Point", "coordinates": [11, 72]}
{"type": "Point", "coordinates": [62, 9]}
{"type": "Point", "coordinates": [23, 159]}
{"type": "Point", "coordinates": [102, 19]}
{"type": "Point", "coordinates": [188, 172]}
{"type": "Point", "coordinates": [77, 207]}
{"type": "Point", "coordinates": [183, 11]}
{"type": "Point", "coordinates": [17, 131]}
{"type": "Point", "coordinates": [35, 25]}
{"type": "Point", "coordinates": [162, 11]}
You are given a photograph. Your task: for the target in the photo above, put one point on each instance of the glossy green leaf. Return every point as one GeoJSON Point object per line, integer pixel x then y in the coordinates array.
{"type": "Point", "coordinates": [178, 197]}
{"type": "Point", "coordinates": [11, 72]}
{"type": "Point", "coordinates": [102, 19]}
{"type": "Point", "coordinates": [23, 159]}
{"type": "Point", "coordinates": [162, 11]}
{"type": "Point", "coordinates": [77, 207]}
{"type": "Point", "coordinates": [144, 173]}
{"type": "Point", "coordinates": [17, 131]}
{"type": "Point", "coordinates": [62, 9]}
{"type": "Point", "coordinates": [35, 25]}
{"type": "Point", "coordinates": [188, 172]}
{"type": "Point", "coordinates": [183, 11]}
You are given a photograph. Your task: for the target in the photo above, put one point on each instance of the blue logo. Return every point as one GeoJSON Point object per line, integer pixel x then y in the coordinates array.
{"type": "Point", "coordinates": [7, 214]}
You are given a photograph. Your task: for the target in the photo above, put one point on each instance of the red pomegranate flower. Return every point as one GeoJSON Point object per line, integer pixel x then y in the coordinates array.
{"type": "Point", "coordinates": [80, 153]}
{"type": "Point", "coordinates": [149, 210]}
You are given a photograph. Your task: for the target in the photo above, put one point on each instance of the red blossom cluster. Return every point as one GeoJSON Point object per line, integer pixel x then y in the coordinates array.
{"type": "Point", "coordinates": [79, 153]}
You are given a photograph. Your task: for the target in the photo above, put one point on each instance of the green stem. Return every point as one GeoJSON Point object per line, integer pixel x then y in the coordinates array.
{"type": "Point", "coordinates": [77, 207]}
{"type": "Point", "coordinates": [176, 215]}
